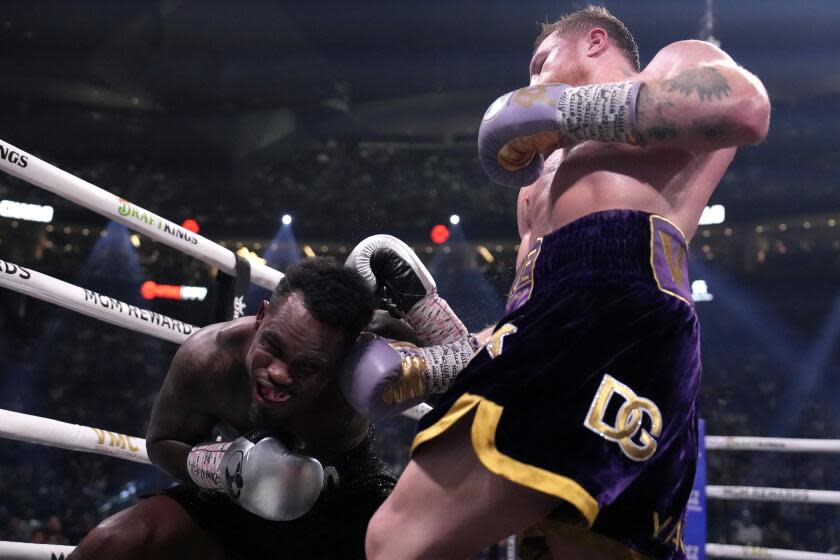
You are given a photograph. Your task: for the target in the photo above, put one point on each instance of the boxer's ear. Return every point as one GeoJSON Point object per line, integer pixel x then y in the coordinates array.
{"type": "Point", "coordinates": [597, 41]}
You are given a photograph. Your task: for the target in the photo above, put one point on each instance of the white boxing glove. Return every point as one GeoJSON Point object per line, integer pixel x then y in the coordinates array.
{"type": "Point", "coordinates": [404, 286]}
{"type": "Point", "coordinates": [264, 478]}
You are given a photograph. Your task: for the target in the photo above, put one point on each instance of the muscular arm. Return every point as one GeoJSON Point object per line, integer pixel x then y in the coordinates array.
{"type": "Point", "coordinates": [182, 415]}
{"type": "Point", "coordinates": [698, 99]}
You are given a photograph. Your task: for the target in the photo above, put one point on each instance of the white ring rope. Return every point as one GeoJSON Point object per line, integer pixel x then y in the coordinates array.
{"type": "Point", "coordinates": [34, 429]}
{"type": "Point", "coordinates": [51, 178]}
{"type": "Point", "coordinates": [31, 551]}
{"type": "Point", "coordinates": [766, 494]}
{"type": "Point", "coordinates": [92, 304]}
{"type": "Point", "coordinates": [798, 445]}
{"type": "Point", "coordinates": [733, 551]}
{"type": "Point", "coordinates": [75, 437]}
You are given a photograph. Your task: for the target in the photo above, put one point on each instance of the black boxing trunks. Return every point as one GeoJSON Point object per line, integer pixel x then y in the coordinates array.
{"type": "Point", "coordinates": [357, 484]}
{"type": "Point", "coordinates": [587, 390]}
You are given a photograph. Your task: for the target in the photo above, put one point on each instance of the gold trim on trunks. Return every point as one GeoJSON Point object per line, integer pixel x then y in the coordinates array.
{"type": "Point", "coordinates": [674, 264]}
{"type": "Point", "coordinates": [483, 436]}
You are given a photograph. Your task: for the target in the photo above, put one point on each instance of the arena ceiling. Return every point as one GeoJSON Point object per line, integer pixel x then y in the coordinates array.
{"type": "Point", "coordinates": [225, 77]}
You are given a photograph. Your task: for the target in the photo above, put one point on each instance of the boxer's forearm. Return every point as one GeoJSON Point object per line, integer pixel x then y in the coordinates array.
{"type": "Point", "coordinates": [703, 108]}
{"type": "Point", "coordinates": [170, 456]}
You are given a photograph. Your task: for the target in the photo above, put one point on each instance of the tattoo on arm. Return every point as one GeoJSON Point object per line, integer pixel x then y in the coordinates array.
{"type": "Point", "coordinates": [660, 128]}
{"type": "Point", "coordinates": [708, 82]}
{"type": "Point", "coordinates": [710, 130]}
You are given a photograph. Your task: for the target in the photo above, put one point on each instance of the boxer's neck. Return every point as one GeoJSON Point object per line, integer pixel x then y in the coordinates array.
{"type": "Point", "coordinates": [609, 73]}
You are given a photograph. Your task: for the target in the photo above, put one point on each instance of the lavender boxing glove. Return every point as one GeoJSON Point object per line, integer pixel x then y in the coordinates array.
{"type": "Point", "coordinates": [382, 378]}
{"type": "Point", "coordinates": [516, 126]}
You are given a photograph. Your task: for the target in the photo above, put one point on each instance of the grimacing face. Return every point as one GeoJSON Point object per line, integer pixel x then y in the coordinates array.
{"type": "Point", "coordinates": [292, 358]}
{"type": "Point", "coordinates": [557, 60]}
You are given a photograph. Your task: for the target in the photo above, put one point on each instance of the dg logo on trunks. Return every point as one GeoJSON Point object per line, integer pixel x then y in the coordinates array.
{"type": "Point", "coordinates": [626, 426]}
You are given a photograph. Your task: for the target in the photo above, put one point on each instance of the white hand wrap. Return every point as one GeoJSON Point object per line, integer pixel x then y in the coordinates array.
{"type": "Point", "coordinates": [602, 112]}
{"type": "Point", "coordinates": [435, 322]}
{"type": "Point", "coordinates": [204, 464]}
{"type": "Point", "coordinates": [439, 365]}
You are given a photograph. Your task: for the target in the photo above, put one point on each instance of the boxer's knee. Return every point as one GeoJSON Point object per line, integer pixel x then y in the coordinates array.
{"type": "Point", "coordinates": [157, 527]}
{"type": "Point", "coordinates": [127, 537]}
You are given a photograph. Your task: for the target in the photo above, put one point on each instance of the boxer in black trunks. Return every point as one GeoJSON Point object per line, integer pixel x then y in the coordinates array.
{"type": "Point", "coordinates": [270, 375]}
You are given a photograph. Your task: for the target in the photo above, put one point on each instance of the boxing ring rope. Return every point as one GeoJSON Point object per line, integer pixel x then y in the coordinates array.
{"type": "Point", "coordinates": [793, 445]}
{"type": "Point", "coordinates": [766, 494]}
{"type": "Point", "coordinates": [735, 551]}
{"type": "Point", "coordinates": [92, 304]}
{"type": "Point", "coordinates": [52, 433]}
{"type": "Point", "coordinates": [74, 437]}
{"type": "Point", "coordinates": [30, 551]}
{"type": "Point", "coordinates": [49, 177]}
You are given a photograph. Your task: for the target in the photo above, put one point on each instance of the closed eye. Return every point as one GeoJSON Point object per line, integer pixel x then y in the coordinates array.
{"type": "Point", "coordinates": [273, 346]}
{"type": "Point", "coordinates": [306, 366]}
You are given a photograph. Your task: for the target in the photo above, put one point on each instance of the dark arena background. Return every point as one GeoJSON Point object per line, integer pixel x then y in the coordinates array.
{"type": "Point", "coordinates": [286, 130]}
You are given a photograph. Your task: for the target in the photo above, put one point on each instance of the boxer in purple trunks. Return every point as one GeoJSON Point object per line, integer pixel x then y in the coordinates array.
{"type": "Point", "coordinates": [576, 420]}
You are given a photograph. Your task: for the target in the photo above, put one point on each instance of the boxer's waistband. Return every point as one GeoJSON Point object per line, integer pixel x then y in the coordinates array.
{"type": "Point", "coordinates": [621, 245]}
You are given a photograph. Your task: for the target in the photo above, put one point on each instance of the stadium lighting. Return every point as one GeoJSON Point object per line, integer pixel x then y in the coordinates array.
{"type": "Point", "coordinates": [23, 211]}
{"type": "Point", "coordinates": [713, 215]}
{"type": "Point", "coordinates": [153, 290]}
{"type": "Point", "coordinates": [287, 219]}
{"type": "Point", "coordinates": [700, 291]}
{"type": "Point", "coordinates": [190, 225]}
{"type": "Point", "coordinates": [454, 219]}
{"type": "Point", "coordinates": [439, 234]}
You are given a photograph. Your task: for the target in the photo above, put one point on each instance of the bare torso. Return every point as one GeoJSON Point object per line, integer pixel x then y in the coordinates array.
{"type": "Point", "coordinates": [592, 176]}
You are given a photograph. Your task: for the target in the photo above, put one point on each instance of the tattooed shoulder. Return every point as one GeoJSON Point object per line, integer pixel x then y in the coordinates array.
{"type": "Point", "coordinates": [706, 81]}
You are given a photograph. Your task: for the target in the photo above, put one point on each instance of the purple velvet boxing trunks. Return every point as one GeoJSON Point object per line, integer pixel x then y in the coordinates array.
{"type": "Point", "coordinates": [587, 390]}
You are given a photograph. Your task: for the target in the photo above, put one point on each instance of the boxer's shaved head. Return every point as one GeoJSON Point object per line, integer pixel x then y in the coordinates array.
{"type": "Point", "coordinates": [580, 22]}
